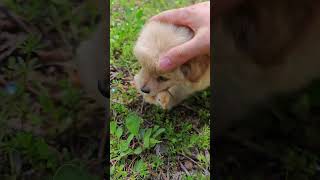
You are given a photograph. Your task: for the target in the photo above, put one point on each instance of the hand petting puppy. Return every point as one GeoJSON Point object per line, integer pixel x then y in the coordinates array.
{"type": "Point", "coordinates": [195, 17]}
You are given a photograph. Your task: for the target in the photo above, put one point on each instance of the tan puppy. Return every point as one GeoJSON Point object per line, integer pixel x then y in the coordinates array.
{"type": "Point", "coordinates": [263, 48]}
{"type": "Point", "coordinates": [91, 59]}
{"type": "Point", "coordinates": [167, 89]}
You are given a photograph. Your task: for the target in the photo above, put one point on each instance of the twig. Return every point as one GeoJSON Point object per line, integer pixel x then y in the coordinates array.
{"type": "Point", "coordinates": [10, 44]}
{"type": "Point", "coordinates": [168, 176]}
{"type": "Point", "coordinates": [142, 106]}
{"type": "Point", "coordinates": [163, 176]}
{"type": "Point", "coordinates": [205, 170]}
{"type": "Point", "coordinates": [188, 107]}
{"type": "Point", "coordinates": [184, 168]}
{"type": "Point", "coordinates": [197, 130]}
{"type": "Point", "coordinates": [132, 161]}
{"type": "Point", "coordinates": [32, 90]}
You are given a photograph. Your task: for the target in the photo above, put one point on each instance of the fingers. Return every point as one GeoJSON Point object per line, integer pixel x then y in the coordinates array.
{"type": "Point", "coordinates": [176, 16]}
{"type": "Point", "coordinates": [180, 54]}
{"type": "Point", "coordinates": [195, 17]}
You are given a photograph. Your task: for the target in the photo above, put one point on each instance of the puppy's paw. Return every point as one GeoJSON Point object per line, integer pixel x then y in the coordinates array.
{"type": "Point", "coordinates": [150, 99]}
{"type": "Point", "coordinates": [164, 100]}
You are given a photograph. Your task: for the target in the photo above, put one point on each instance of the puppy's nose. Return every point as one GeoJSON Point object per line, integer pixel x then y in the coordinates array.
{"type": "Point", "coordinates": [145, 89]}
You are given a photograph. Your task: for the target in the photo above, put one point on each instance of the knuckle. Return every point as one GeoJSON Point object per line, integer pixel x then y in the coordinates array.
{"type": "Point", "coordinates": [179, 54]}
{"type": "Point", "coordinates": [186, 13]}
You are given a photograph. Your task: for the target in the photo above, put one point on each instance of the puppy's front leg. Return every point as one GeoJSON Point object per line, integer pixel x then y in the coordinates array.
{"type": "Point", "coordinates": [150, 99]}
{"type": "Point", "coordinates": [173, 96]}
{"type": "Point", "coordinates": [165, 100]}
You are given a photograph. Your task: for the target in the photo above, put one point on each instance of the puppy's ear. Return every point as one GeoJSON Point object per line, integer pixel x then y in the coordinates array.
{"type": "Point", "coordinates": [195, 68]}
{"type": "Point", "coordinates": [140, 51]}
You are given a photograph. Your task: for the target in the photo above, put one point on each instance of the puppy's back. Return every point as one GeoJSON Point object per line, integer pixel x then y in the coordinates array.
{"type": "Point", "coordinates": [157, 38]}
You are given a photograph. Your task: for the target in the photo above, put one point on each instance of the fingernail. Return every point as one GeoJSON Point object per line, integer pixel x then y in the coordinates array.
{"type": "Point", "coordinates": [165, 63]}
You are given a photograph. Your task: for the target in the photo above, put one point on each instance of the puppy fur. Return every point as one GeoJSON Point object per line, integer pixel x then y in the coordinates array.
{"type": "Point", "coordinates": [261, 49]}
{"type": "Point", "coordinates": [167, 89]}
{"type": "Point", "coordinates": [92, 63]}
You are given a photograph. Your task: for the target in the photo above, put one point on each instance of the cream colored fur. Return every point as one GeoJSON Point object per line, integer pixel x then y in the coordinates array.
{"type": "Point", "coordinates": [155, 39]}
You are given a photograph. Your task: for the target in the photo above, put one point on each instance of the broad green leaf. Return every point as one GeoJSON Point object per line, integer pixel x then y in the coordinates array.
{"type": "Point", "coordinates": [130, 139]}
{"type": "Point", "coordinates": [138, 166]}
{"type": "Point", "coordinates": [123, 145]}
{"type": "Point", "coordinates": [113, 127]}
{"type": "Point", "coordinates": [133, 123]}
{"type": "Point", "coordinates": [158, 132]}
{"type": "Point", "coordinates": [122, 154]}
{"type": "Point", "coordinates": [155, 128]}
{"type": "Point", "coordinates": [139, 14]}
{"type": "Point", "coordinates": [146, 138]}
{"type": "Point", "coordinates": [112, 170]}
{"type": "Point", "coordinates": [153, 142]}
{"type": "Point", "coordinates": [141, 132]}
{"type": "Point", "coordinates": [119, 132]}
{"type": "Point", "coordinates": [138, 150]}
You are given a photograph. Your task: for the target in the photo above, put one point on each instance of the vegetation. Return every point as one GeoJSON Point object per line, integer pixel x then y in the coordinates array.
{"type": "Point", "coordinates": [42, 110]}
{"type": "Point", "coordinates": [147, 142]}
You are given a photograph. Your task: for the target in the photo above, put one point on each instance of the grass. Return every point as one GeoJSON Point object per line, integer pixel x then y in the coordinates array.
{"type": "Point", "coordinates": [44, 132]}
{"type": "Point", "coordinates": [147, 142]}
{"type": "Point", "coordinates": [41, 109]}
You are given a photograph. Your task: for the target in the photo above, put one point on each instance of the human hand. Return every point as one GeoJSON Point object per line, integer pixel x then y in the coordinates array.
{"type": "Point", "coordinates": [195, 17]}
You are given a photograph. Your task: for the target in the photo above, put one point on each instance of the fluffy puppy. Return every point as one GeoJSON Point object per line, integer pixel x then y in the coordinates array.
{"type": "Point", "coordinates": [167, 89]}
{"type": "Point", "coordinates": [91, 59]}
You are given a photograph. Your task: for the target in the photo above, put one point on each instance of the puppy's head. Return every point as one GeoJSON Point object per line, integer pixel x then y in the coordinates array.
{"type": "Point", "coordinates": [155, 39]}
{"type": "Point", "coordinates": [150, 81]}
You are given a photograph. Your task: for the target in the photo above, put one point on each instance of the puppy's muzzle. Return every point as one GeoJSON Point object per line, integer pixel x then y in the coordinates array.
{"type": "Point", "coordinates": [145, 89]}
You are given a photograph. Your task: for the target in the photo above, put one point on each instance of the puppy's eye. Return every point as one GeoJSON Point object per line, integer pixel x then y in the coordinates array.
{"type": "Point", "coordinates": [162, 79]}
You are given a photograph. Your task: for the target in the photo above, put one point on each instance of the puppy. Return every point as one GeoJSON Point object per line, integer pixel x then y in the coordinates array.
{"type": "Point", "coordinates": [262, 49]}
{"type": "Point", "coordinates": [167, 89]}
{"type": "Point", "coordinates": [91, 58]}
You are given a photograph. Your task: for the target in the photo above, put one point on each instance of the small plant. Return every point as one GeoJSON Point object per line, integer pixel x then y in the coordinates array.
{"type": "Point", "coordinates": [31, 44]}
{"type": "Point", "coordinates": [33, 150]}
{"type": "Point", "coordinates": [299, 164]}
{"type": "Point", "coordinates": [134, 142]}
{"type": "Point", "coordinates": [18, 69]}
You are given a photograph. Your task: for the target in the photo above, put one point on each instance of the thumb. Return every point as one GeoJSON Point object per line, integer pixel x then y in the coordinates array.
{"type": "Point", "coordinates": [180, 54]}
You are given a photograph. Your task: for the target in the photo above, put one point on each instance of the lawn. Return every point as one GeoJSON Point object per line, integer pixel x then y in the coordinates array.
{"type": "Point", "coordinates": [46, 119]}
{"type": "Point", "coordinates": [147, 142]}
